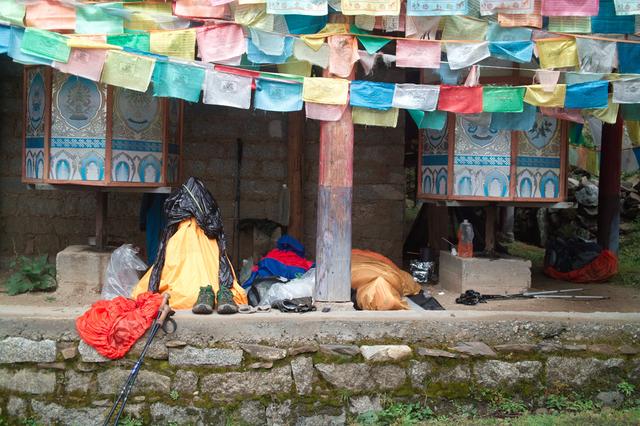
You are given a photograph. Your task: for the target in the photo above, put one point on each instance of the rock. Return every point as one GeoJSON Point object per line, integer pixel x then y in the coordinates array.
{"type": "Point", "coordinates": [382, 353]}
{"type": "Point", "coordinates": [252, 413]}
{"type": "Point", "coordinates": [500, 374]}
{"type": "Point", "coordinates": [16, 407]}
{"type": "Point", "coordinates": [54, 413]}
{"type": "Point", "coordinates": [266, 353]}
{"type": "Point", "coordinates": [162, 413]}
{"type": "Point", "coordinates": [340, 350]}
{"type": "Point", "coordinates": [516, 347]}
{"type": "Point", "coordinates": [79, 382]}
{"type": "Point", "coordinates": [184, 382]}
{"type": "Point", "coordinates": [207, 356]}
{"type": "Point", "coordinates": [302, 370]}
{"type": "Point", "coordinates": [362, 377]}
{"type": "Point", "coordinates": [548, 347]}
{"type": "Point", "coordinates": [69, 350]}
{"type": "Point", "coordinates": [458, 374]}
{"type": "Point", "coordinates": [389, 377]}
{"type": "Point", "coordinates": [175, 344]}
{"type": "Point", "coordinates": [257, 365]}
{"type": "Point", "coordinates": [140, 398]}
{"type": "Point", "coordinates": [610, 399]}
{"type": "Point", "coordinates": [102, 403]}
{"type": "Point", "coordinates": [248, 383]}
{"type": "Point", "coordinates": [474, 349]}
{"type": "Point", "coordinates": [418, 372]}
{"type": "Point", "coordinates": [88, 354]}
{"type": "Point", "coordinates": [629, 350]}
{"type": "Point", "coordinates": [279, 414]}
{"type": "Point", "coordinates": [581, 371]}
{"type": "Point", "coordinates": [135, 411]}
{"type": "Point", "coordinates": [602, 349]}
{"type": "Point", "coordinates": [52, 365]}
{"type": "Point", "coordinates": [574, 348]}
{"type": "Point", "coordinates": [28, 381]}
{"type": "Point", "coordinates": [19, 349]}
{"type": "Point", "coordinates": [364, 404]}
{"type": "Point", "coordinates": [322, 420]}
{"type": "Point", "coordinates": [304, 349]}
{"type": "Point", "coordinates": [435, 353]}
{"type": "Point", "coordinates": [156, 350]}
{"type": "Point", "coordinates": [111, 381]}
{"type": "Point", "coordinates": [86, 367]}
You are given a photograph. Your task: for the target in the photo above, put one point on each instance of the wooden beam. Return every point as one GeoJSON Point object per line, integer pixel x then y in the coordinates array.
{"type": "Point", "coordinates": [609, 185]}
{"type": "Point", "coordinates": [295, 160]}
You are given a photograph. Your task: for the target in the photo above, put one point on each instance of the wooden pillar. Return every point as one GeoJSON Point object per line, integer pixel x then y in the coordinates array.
{"type": "Point", "coordinates": [101, 219]}
{"type": "Point", "coordinates": [295, 160]}
{"type": "Point", "coordinates": [609, 185]}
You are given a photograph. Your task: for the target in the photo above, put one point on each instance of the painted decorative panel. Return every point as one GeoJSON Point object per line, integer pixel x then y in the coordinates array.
{"type": "Point", "coordinates": [137, 137]}
{"type": "Point", "coordinates": [482, 160]}
{"type": "Point", "coordinates": [539, 159]}
{"type": "Point", "coordinates": [435, 161]}
{"type": "Point", "coordinates": [36, 96]}
{"type": "Point", "coordinates": [78, 129]}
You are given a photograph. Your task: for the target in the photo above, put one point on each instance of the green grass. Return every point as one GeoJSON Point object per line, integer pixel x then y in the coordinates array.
{"type": "Point", "coordinates": [533, 253]}
{"type": "Point", "coordinates": [596, 418]}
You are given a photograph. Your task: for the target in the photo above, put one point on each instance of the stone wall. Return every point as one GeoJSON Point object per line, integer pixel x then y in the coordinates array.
{"type": "Point", "coordinates": [47, 221]}
{"type": "Point", "coordinates": [191, 378]}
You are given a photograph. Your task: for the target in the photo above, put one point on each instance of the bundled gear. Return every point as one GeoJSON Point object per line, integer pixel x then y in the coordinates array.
{"type": "Point", "coordinates": [579, 261]}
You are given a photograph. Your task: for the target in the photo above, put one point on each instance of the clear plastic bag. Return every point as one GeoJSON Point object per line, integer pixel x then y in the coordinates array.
{"type": "Point", "coordinates": [299, 287]}
{"type": "Point", "coordinates": [123, 272]}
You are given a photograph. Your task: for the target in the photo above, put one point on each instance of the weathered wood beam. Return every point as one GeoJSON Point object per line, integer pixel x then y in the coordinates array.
{"type": "Point", "coordinates": [295, 161]}
{"type": "Point", "coordinates": [609, 185]}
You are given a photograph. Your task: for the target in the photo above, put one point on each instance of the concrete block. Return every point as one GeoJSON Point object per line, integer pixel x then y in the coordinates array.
{"type": "Point", "coordinates": [488, 276]}
{"type": "Point", "coordinates": [80, 270]}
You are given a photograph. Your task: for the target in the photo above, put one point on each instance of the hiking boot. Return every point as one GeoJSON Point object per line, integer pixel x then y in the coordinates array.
{"type": "Point", "coordinates": [226, 305]}
{"type": "Point", "coordinates": [205, 301]}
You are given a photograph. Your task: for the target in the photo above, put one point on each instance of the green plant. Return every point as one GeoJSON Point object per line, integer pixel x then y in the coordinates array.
{"type": "Point", "coordinates": [174, 395]}
{"type": "Point", "coordinates": [31, 274]}
{"type": "Point", "coordinates": [397, 414]}
{"type": "Point", "coordinates": [580, 404]}
{"type": "Point", "coordinates": [511, 407]}
{"type": "Point", "coordinates": [130, 421]}
{"type": "Point", "coordinates": [557, 402]}
{"type": "Point", "coordinates": [626, 388]}
{"type": "Point", "coordinates": [29, 422]}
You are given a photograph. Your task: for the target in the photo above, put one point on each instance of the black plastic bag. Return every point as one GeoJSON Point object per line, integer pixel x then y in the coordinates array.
{"type": "Point", "coordinates": [260, 287]}
{"type": "Point", "coordinates": [192, 199]}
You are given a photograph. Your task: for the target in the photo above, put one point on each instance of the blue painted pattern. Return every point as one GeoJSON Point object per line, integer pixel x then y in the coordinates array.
{"type": "Point", "coordinates": [540, 162]}
{"type": "Point", "coordinates": [134, 145]}
{"type": "Point", "coordinates": [87, 143]}
{"type": "Point", "coordinates": [482, 160]}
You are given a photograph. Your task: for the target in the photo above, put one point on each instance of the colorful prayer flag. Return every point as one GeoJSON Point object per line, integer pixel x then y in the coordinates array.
{"type": "Point", "coordinates": [593, 94]}
{"type": "Point", "coordinates": [45, 44]}
{"type": "Point", "coordinates": [462, 55]}
{"type": "Point", "coordinates": [460, 99]}
{"type": "Point", "coordinates": [176, 44]}
{"type": "Point", "coordinates": [134, 40]}
{"type": "Point", "coordinates": [463, 28]}
{"type": "Point", "coordinates": [50, 15]}
{"type": "Point", "coordinates": [515, 51]}
{"type": "Point", "coordinates": [227, 89]}
{"type": "Point", "coordinates": [607, 22]}
{"type": "Point", "coordinates": [297, 7]}
{"type": "Point", "coordinates": [596, 55]}
{"type": "Point", "coordinates": [538, 96]}
{"type": "Point", "coordinates": [502, 99]}
{"type": "Point", "coordinates": [570, 24]}
{"type": "Point", "coordinates": [436, 7]}
{"type": "Point", "coordinates": [303, 52]}
{"type": "Point", "coordinates": [627, 7]}
{"type": "Point", "coordinates": [629, 58]}
{"type": "Point", "coordinates": [370, 7]}
{"type": "Point", "coordinates": [126, 70]}
{"type": "Point", "coordinates": [370, 94]}
{"type": "Point", "coordinates": [557, 53]}
{"type": "Point", "coordinates": [220, 43]}
{"type": "Point", "coordinates": [417, 54]}
{"type": "Point", "coordinates": [374, 117]}
{"type": "Point", "coordinates": [343, 53]}
{"type": "Point", "coordinates": [257, 56]}
{"type": "Point", "coordinates": [491, 7]}
{"type": "Point", "coordinates": [278, 96]}
{"type": "Point", "coordinates": [626, 91]}
{"type": "Point", "coordinates": [86, 63]}
{"type": "Point", "coordinates": [522, 121]}
{"type": "Point", "coordinates": [523, 20]}
{"type": "Point", "coordinates": [99, 19]}
{"type": "Point", "coordinates": [324, 112]}
{"type": "Point", "coordinates": [175, 80]}
{"type": "Point", "coordinates": [12, 11]}
{"type": "Point", "coordinates": [333, 91]}
{"type": "Point", "coordinates": [569, 7]}
{"type": "Point", "coordinates": [200, 8]}
{"type": "Point", "coordinates": [14, 49]}
{"type": "Point", "coordinates": [416, 96]}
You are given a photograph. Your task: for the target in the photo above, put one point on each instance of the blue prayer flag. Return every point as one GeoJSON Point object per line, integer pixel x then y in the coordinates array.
{"type": "Point", "coordinates": [14, 51]}
{"type": "Point", "coordinates": [5, 35]}
{"type": "Point", "coordinates": [607, 22]}
{"type": "Point", "coordinates": [593, 94]}
{"type": "Point", "coordinates": [303, 24]}
{"type": "Point", "coordinates": [278, 96]}
{"type": "Point", "coordinates": [175, 80]}
{"type": "Point", "coordinates": [498, 33]}
{"type": "Point", "coordinates": [516, 51]}
{"type": "Point", "coordinates": [449, 76]}
{"type": "Point", "coordinates": [514, 120]}
{"type": "Point", "coordinates": [371, 94]}
{"type": "Point", "coordinates": [257, 56]}
{"type": "Point", "coordinates": [629, 58]}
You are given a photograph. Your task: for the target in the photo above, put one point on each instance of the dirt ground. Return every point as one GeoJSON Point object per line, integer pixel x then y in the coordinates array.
{"type": "Point", "coordinates": [621, 298]}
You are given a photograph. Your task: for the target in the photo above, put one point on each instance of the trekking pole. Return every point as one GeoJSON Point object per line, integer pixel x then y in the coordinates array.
{"type": "Point", "coordinates": [163, 312]}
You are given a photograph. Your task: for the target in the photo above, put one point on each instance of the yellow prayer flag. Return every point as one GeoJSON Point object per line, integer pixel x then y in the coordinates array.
{"type": "Point", "coordinates": [148, 16]}
{"type": "Point", "coordinates": [557, 53]}
{"type": "Point", "coordinates": [315, 41]}
{"type": "Point", "coordinates": [332, 91]}
{"type": "Point", "coordinates": [78, 41]}
{"type": "Point", "coordinates": [126, 70]}
{"type": "Point", "coordinates": [608, 114]}
{"type": "Point", "coordinates": [375, 117]}
{"type": "Point", "coordinates": [633, 128]}
{"type": "Point", "coordinates": [295, 67]}
{"type": "Point", "coordinates": [177, 44]}
{"type": "Point", "coordinates": [536, 95]}
{"type": "Point", "coordinates": [254, 15]}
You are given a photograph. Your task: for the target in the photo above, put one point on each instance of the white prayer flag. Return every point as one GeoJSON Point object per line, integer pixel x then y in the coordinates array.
{"type": "Point", "coordinates": [416, 96]}
{"type": "Point", "coordinates": [596, 55]}
{"type": "Point", "coordinates": [226, 89]}
{"type": "Point", "coordinates": [626, 91]}
{"type": "Point", "coordinates": [462, 55]}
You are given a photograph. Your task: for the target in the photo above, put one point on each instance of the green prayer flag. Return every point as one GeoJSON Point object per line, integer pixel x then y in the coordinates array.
{"type": "Point", "coordinates": [99, 19]}
{"type": "Point", "coordinates": [12, 11]}
{"type": "Point", "coordinates": [176, 80]}
{"type": "Point", "coordinates": [45, 44]}
{"type": "Point", "coordinates": [428, 120]}
{"type": "Point", "coordinates": [138, 40]}
{"type": "Point", "coordinates": [502, 99]}
{"type": "Point", "coordinates": [129, 71]}
{"type": "Point", "coordinates": [370, 44]}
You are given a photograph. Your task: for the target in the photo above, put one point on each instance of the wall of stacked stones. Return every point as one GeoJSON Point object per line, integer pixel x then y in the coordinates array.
{"type": "Point", "coordinates": [303, 384]}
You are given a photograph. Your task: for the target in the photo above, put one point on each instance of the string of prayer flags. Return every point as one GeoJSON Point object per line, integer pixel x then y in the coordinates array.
{"type": "Point", "coordinates": [374, 117]}
{"type": "Point", "coordinates": [278, 96]}
{"type": "Point", "coordinates": [627, 7]}
{"type": "Point", "coordinates": [15, 52]}
{"type": "Point", "coordinates": [257, 56]}
{"type": "Point", "coordinates": [99, 19]}
{"type": "Point", "coordinates": [463, 28]}
{"type": "Point", "coordinates": [523, 121]}
{"type": "Point", "coordinates": [437, 7]}
{"type": "Point", "coordinates": [303, 52]}
{"type": "Point", "coordinates": [421, 97]}
{"type": "Point", "coordinates": [148, 16]}
{"type": "Point", "coordinates": [462, 55]}
{"type": "Point", "coordinates": [332, 91]}
{"type": "Point", "coordinates": [314, 41]}
{"type": "Point", "coordinates": [626, 91]}
{"type": "Point", "coordinates": [123, 69]}
{"type": "Point", "coordinates": [324, 112]}
{"type": "Point", "coordinates": [86, 63]}
{"type": "Point", "coordinates": [460, 99]}
{"type": "Point", "coordinates": [557, 52]}
{"type": "Point", "coordinates": [607, 22]}
{"type": "Point", "coordinates": [417, 54]}
{"type": "Point", "coordinates": [533, 19]}
{"type": "Point", "coordinates": [50, 15]}
{"type": "Point", "coordinates": [629, 58]}
{"type": "Point", "coordinates": [596, 55]}
{"type": "Point", "coordinates": [137, 40]}
{"type": "Point", "coordinates": [538, 96]}
{"type": "Point", "coordinates": [343, 53]}
{"type": "Point", "coordinates": [5, 35]}
{"type": "Point", "coordinates": [491, 7]}
{"type": "Point", "coordinates": [370, 7]}
{"type": "Point", "coordinates": [177, 80]}
{"type": "Point", "coordinates": [593, 94]}
{"type": "Point", "coordinates": [178, 44]}
{"type": "Point", "coordinates": [45, 44]}
{"type": "Point", "coordinates": [569, 7]}
{"type": "Point", "coordinates": [12, 11]}
{"type": "Point", "coordinates": [298, 7]}
{"type": "Point", "coordinates": [221, 88]}
{"type": "Point", "coordinates": [199, 8]}
{"type": "Point", "coordinates": [371, 94]}
{"type": "Point", "coordinates": [502, 99]}
{"type": "Point", "coordinates": [515, 51]}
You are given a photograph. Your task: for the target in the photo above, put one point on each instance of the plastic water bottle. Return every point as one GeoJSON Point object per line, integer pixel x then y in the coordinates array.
{"type": "Point", "coordinates": [465, 239]}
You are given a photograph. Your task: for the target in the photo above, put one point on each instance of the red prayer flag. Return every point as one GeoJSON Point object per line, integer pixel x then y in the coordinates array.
{"type": "Point", "coordinates": [461, 99]}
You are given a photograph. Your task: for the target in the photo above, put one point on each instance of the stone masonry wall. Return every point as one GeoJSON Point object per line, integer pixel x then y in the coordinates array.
{"type": "Point", "coordinates": [302, 384]}
{"type": "Point", "coordinates": [48, 221]}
